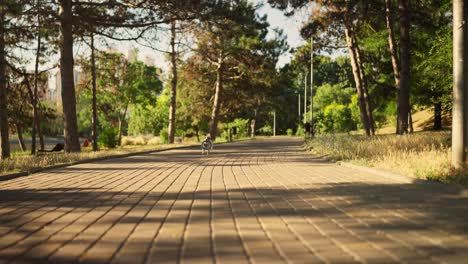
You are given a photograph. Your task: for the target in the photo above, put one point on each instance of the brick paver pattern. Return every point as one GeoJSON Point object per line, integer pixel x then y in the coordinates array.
{"type": "Point", "coordinates": [260, 201]}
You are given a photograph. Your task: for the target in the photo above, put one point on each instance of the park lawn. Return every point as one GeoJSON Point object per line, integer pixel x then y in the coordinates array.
{"type": "Point", "coordinates": [423, 155]}
{"type": "Point", "coordinates": [24, 162]}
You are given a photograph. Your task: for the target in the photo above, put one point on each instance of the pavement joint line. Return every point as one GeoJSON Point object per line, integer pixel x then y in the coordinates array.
{"type": "Point", "coordinates": [69, 180]}
{"type": "Point", "coordinates": [137, 178]}
{"type": "Point", "coordinates": [257, 202]}
{"type": "Point", "coordinates": [123, 215]}
{"type": "Point", "coordinates": [247, 158]}
{"type": "Point", "coordinates": [112, 179]}
{"type": "Point", "coordinates": [393, 238]}
{"type": "Point", "coordinates": [401, 216]}
{"type": "Point", "coordinates": [184, 233]}
{"type": "Point", "coordinates": [338, 224]}
{"type": "Point", "coordinates": [289, 227]}
{"type": "Point", "coordinates": [38, 209]}
{"type": "Point", "coordinates": [84, 213]}
{"type": "Point", "coordinates": [233, 215]}
{"type": "Point", "coordinates": [330, 204]}
{"type": "Point", "coordinates": [130, 209]}
{"type": "Point", "coordinates": [212, 246]}
{"type": "Point", "coordinates": [279, 251]}
{"type": "Point", "coordinates": [150, 249]}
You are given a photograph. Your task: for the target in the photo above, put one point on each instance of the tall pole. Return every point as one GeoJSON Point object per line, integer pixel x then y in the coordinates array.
{"type": "Point", "coordinates": [305, 98]}
{"type": "Point", "coordinates": [311, 86]}
{"type": "Point", "coordinates": [299, 107]}
{"type": "Point", "coordinates": [94, 92]}
{"type": "Point", "coordinates": [299, 102]}
{"type": "Point", "coordinates": [460, 84]}
{"type": "Point", "coordinates": [274, 123]}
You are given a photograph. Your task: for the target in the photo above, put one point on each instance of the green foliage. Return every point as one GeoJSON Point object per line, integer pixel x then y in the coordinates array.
{"type": "Point", "coordinates": [164, 136]}
{"type": "Point", "coordinates": [108, 137]}
{"type": "Point", "coordinates": [241, 125]}
{"type": "Point", "coordinates": [289, 132]}
{"type": "Point", "coordinates": [149, 119]}
{"type": "Point", "coordinates": [337, 118]}
{"type": "Point", "coordinates": [333, 108]}
{"type": "Point", "coordinates": [300, 131]}
{"type": "Point", "coordinates": [266, 130]}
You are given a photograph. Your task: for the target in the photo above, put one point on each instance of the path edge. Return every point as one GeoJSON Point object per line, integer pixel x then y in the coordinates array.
{"type": "Point", "coordinates": [379, 172]}
{"type": "Point", "coordinates": [12, 176]}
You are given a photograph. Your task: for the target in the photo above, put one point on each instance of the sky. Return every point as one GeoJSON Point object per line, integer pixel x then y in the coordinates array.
{"type": "Point", "coordinates": [290, 25]}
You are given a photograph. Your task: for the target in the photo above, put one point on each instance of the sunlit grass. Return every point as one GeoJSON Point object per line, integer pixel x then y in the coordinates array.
{"type": "Point", "coordinates": [423, 155]}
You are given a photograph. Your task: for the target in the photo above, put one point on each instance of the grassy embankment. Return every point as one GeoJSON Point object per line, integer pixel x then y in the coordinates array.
{"type": "Point", "coordinates": [424, 154]}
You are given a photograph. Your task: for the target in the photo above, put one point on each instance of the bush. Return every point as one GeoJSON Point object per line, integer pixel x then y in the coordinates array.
{"type": "Point", "coordinates": [129, 141]}
{"type": "Point", "coordinates": [300, 131]}
{"type": "Point", "coordinates": [154, 141]}
{"type": "Point", "coordinates": [289, 132]}
{"type": "Point", "coordinates": [266, 130]}
{"type": "Point", "coordinates": [164, 136]}
{"type": "Point", "coordinates": [108, 137]}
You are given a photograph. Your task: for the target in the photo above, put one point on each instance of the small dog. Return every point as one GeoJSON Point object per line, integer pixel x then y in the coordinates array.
{"type": "Point", "coordinates": [207, 145]}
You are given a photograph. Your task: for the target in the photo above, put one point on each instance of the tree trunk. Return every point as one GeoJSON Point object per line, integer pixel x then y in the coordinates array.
{"type": "Point", "coordinates": [405, 86]}
{"type": "Point", "coordinates": [4, 136]}
{"type": "Point", "coordinates": [121, 121]}
{"type": "Point", "coordinates": [94, 92]}
{"type": "Point", "coordinates": [35, 124]}
{"type": "Point", "coordinates": [252, 126]}
{"type": "Point", "coordinates": [39, 129]}
{"type": "Point", "coordinates": [392, 44]}
{"type": "Point", "coordinates": [460, 84]}
{"type": "Point", "coordinates": [365, 90]}
{"type": "Point", "coordinates": [438, 116]}
{"type": "Point", "coordinates": [172, 106]}
{"type": "Point", "coordinates": [22, 144]}
{"type": "Point", "coordinates": [357, 76]}
{"type": "Point", "coordinates": [410, 121]}
{"type": "Point", "coordinates": [249, 130]}
{"type": "Point", "coordinates": [217, 99]}
{"type": "Point", "coordinates": [393, 53]}
{"type": "Point", "coordinates": [72, 143]}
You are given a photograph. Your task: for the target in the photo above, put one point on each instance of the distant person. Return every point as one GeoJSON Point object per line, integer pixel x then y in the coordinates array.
{"type": "Point", "coordinates": [86, 143]}
{"type": "Point", "coordinates": [207, 145]}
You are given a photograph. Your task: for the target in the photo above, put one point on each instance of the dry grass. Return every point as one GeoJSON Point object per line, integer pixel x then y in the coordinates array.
{"type": "Point", "coordinates": [423, 155]}
{"type": "Point", "coordinates": [22, 162]}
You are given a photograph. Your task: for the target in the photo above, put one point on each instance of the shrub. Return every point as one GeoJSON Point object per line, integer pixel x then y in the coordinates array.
{"type": "Point", "coordinates": [127, 141]}
{"type": "Point", "coordinates": [289, 132]}
{"type": "Point", "coordinates": [164, 136]}
{"type": "Point", "coordinates": [266, 130]}
{"type": "Point", "coordinates": [108, 137]}
{"type": "Point", "coordinates": [154, 141]}
{"type": "Point", "coordinates": [300, 131]}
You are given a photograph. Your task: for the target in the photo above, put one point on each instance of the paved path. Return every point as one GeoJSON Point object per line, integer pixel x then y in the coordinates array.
{"type": "Point", "coordinates": [262, 201]}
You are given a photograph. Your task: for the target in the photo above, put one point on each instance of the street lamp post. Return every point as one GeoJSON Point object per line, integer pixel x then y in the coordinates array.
{"type": "Point", "coordinates": [311, 86]}
{"type": "Point", "coordinates": [305, 98]}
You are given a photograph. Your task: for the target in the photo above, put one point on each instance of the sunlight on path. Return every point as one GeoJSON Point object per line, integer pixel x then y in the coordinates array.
{"type": "Point", "coordinates": [261, 201]}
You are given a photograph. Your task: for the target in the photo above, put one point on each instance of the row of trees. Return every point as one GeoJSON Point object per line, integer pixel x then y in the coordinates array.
{"type": "Point", "coordinates": [394, 63]}
{"type": "Point", "coordinates": [399, 62]}
{"type": "Point", "coordinates": [228, 64]}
